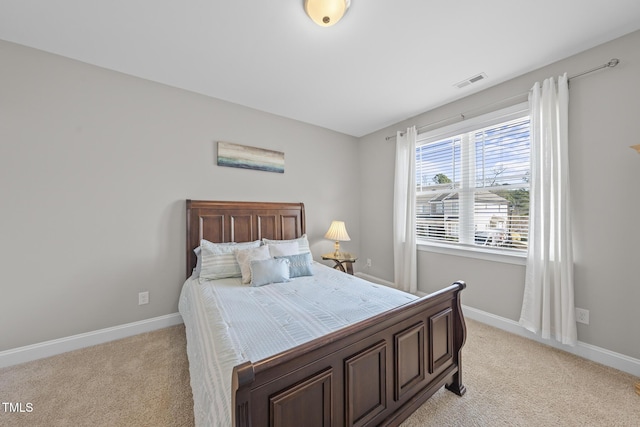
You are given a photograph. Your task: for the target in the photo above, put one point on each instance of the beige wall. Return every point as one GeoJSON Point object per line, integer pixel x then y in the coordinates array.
{"type": "Point", "coordinates": [94, 170]}
{"type": "Point", "coordinates": [95, 166]}
{"type": "Point", "coordinates": [605, 175]}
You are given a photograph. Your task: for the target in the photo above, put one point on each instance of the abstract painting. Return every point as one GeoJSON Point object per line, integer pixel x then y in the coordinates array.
{"type": "Point", "coordinates": [242, 156]}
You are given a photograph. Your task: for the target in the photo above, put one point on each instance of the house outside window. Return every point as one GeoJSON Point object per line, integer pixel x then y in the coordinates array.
{"type": "Point", "coordinates": [473, 183]}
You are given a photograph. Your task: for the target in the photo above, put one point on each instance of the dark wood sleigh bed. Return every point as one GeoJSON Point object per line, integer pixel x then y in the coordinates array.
{"type": "Point", "coordinates": [375, 372]}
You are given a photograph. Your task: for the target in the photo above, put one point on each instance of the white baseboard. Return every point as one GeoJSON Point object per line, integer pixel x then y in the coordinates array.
{"type": "Point", "coordinates": [75, 342]}
{"type": "Point", "coordinates": [584, 350]}
{"type": "Point", "coordinates": [374, 279]}
{"type": "Point", "coordinates": [88, 339]}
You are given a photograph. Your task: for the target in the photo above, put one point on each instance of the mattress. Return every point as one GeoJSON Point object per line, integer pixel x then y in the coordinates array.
{"type": "Point", "coordinates": [228, 323]}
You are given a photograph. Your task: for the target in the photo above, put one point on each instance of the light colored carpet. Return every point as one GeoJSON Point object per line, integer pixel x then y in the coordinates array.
{"type": "Point", "coordinates": [137, 381]}
{"type": "Point", "coordinates": [144, 381]}
{"type": "Point", "coordinates": [513, 381]}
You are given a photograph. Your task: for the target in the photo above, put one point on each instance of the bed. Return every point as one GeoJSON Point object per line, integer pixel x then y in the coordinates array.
{"type": "Point", "coordinates": [374, 370]}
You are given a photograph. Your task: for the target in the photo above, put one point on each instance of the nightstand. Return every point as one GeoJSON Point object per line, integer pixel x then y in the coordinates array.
{"type": "Point", "coordinates": [343, 261]}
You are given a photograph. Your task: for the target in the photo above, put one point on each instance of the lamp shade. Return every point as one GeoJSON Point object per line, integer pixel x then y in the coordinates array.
{"type": "Point", "coordinates": [326, 12]}
{"type": "Point", "coordinates": [338, 232]}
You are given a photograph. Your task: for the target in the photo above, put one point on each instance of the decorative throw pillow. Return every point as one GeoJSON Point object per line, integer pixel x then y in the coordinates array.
{"type": "Point", "coordinates": [266, 271]}
{"type": "Point", "coordinates": [284, 249]}
{"type": "Point", "coordinates": [299, 265]}
{"type": "Point", "coordinates": [303, 243]}
{"type": "Point", "coordinates": [245, 256]}
{"type": "Point", "coordinates": [219, 259]}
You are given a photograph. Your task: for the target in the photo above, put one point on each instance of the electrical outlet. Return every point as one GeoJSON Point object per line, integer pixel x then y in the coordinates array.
{"type": "Point", "coordinates": [143, 298]}
{"type": "Point", "coordinates": [582, 316]}
{"type": "Point", "coordinates": [368, 262]}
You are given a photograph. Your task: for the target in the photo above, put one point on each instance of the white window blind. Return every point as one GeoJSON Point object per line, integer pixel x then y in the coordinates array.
{"type": "Point", "coordinates": [473, 186]}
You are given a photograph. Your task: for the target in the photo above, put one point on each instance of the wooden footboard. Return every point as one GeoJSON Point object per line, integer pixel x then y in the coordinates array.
{"type": "Point", "coordinates": [376, 372]}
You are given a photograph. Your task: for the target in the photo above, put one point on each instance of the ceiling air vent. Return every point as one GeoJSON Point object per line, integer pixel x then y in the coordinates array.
{"type": "Point", "coordinates": [474, 79]}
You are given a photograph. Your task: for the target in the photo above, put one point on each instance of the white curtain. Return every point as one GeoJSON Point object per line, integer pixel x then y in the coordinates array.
{"type": "Point", "coordinates": [548, 304]}
{"type": "Point", "coordinates": [404, 212]}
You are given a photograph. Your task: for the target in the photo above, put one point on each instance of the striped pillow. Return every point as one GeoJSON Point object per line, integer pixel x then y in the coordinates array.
{"type": "Point", "coordinates": [219, 259]}
{"type": "Point", "coordinates": [303, 243]}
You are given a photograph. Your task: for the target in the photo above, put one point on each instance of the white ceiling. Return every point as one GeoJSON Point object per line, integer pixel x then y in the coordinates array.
{"type": "Point", "coordinates": [385, 61]}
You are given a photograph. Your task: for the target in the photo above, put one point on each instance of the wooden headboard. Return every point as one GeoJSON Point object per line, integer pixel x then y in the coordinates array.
{"type": "Point", "coordinates": [221, 222]}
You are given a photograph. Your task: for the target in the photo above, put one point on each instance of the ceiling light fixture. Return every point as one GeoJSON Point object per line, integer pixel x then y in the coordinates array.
{"type": "Point", "coordinates": [326, 12]}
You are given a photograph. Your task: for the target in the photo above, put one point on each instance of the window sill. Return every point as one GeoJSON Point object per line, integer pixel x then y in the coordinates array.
{"type": "Point", "coordinates": [485, 254]}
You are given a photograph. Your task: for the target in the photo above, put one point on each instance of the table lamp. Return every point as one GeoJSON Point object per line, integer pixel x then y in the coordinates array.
{"type": "Point", "coordinates": [337, 232]}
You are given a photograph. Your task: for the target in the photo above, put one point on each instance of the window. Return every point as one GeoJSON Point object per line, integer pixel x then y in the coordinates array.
{"type": "Point", "coordinates": [473, 182]}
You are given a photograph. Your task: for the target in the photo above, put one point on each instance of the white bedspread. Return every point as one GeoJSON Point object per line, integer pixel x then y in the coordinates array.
{"type": "Point", "coordinates": [228, 323]}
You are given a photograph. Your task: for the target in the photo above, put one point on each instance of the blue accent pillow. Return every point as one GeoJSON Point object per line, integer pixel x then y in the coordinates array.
{"type": "Point", "coordinates": [299, 265]}
{"type": "Point", "coordinates": [266, 271]}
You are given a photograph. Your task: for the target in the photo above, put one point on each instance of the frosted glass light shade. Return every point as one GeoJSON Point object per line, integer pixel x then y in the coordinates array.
{"type": "Point", "coordinates": [326, 12]}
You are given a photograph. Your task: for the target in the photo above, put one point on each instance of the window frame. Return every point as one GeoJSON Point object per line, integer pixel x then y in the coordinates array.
{"type": "Point", "coordinates": [465, 126]}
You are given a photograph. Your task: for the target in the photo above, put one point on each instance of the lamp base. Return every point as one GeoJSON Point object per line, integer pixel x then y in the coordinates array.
{"type": "Point", "coordinates": [336, 247]}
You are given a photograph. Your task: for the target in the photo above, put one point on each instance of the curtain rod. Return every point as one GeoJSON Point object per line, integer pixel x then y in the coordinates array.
{"type": "Point", "coordinates": [612, 63]}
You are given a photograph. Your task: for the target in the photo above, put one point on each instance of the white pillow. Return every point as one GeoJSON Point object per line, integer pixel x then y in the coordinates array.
{"type": "Point", "coordinates": [245, 256]}
{"type": "Point", "coordinates": [219, 259]}
{"type": "Point", "coordinates": [284, 249]}
{"type": "Point", "coordinates": [303, 243]}
{"type": "Point", "coordinates": [198, 267]}
{"type": "Point", "coordinates": [266, 271]}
